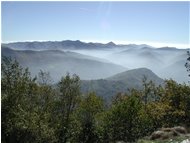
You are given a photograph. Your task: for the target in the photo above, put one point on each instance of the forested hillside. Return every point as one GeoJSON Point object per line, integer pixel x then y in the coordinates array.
{"type": "Point", "coordinates": [121, 82]}
{"type": "Point", "coordinates": [35, 111]}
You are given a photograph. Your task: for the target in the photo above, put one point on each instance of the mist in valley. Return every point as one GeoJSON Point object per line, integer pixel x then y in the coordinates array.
{"type": "Point", "coordinates": [96, 60]}
{"type": "Point", "coordinates": [165, 62]}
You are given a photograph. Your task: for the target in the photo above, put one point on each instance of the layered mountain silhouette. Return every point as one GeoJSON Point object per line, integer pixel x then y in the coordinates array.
{"type": "Point", "coordinates": [58, 63]}
{"type": "Point", "coordinates": [97, 60]}
{"type": "Point", "coordinates": [58, 45]}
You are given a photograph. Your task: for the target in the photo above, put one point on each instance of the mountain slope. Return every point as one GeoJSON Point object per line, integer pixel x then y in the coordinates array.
{"type": "Point", "coordinates": [136, 75]}
{"type": "Point", "coordinates": [161, 61]}
{"type": "Point", "coordinates": [167, 62]}
{"type": "Point", "coordinates": [121, 82]}
{"type": "Point", "coordinates": [58, 63]}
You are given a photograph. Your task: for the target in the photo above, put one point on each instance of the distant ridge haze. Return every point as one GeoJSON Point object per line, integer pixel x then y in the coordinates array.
{"type": "Point", "coordinates": [166, 62]}
{"type": "Point", "coordinates": [150, 43]}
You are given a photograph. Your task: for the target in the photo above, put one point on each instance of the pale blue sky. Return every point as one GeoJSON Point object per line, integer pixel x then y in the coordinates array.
{"type": "Point", "coordinates": [159, 22]}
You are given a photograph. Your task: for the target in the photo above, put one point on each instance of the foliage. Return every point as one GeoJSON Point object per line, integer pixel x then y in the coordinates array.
{"type": "Point", "coordinates": [187, 64]}
{"type": "Point", "coordinates": [87, 116]}
{"type": "Point", "coordinates": [35, 111]}
{"type": "Point", "coordinates": [69, 91]}
{"type": "Point", "coordinates": [126, 119]}
{"type": "Point", "coordinates": [176, 98]}
{"type": "Point", "coordinates": [24, 117]}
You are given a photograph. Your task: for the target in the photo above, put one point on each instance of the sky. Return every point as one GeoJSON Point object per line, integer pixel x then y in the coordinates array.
{"type": "Point", "coordinates": [158, 23]}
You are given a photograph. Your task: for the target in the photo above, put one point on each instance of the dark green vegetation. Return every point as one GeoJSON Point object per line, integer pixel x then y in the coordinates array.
{"type": "Point", "coordinates": [34, 111]}
{"type": "Point", "coordinates": [121, 82]}
{"type": "Point", "coordinates": [187, 64]}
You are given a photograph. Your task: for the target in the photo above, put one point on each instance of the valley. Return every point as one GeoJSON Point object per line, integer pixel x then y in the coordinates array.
{"type": "Point", "coordinates": [96, 60]}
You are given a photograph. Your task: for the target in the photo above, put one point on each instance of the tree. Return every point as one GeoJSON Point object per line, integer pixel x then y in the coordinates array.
{"type": "Point", "coordinates": [44, 78]}
{"type": "Point", "coordinates": [44, 108]}
{"type": "Point", "coordinates": [187, 64]}
{"type": "Point", "coordinates": [90, 106]}
{"type": "Point", "coordinates": [69, 88]}
{"type": "Point", "coordinates": [122, 120]}
{"type": "Point", "coordinates": [18, 88]}
{"type": "Point", "coordinates": [26, 106]}
{"type": "Point", "coordinates": [148, 93]}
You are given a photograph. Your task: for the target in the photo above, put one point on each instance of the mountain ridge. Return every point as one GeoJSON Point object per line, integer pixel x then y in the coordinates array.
{"type": "Point", "coordinates": [65, 44]}
{"type": "Point", "coordinates": [59, 63]}
{"type": "Point", "coordinates": [161, 60]}
{"type": "Point", "coordinates": [73, 44]}
{"type": "Point", "coordinates": [121, 82]}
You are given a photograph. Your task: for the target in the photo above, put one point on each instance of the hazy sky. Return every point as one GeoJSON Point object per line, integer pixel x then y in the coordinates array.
{"type": "Point", "coordinates": [158, 22]}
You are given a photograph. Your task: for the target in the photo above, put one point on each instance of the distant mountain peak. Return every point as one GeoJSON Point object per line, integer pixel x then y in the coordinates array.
{"type": "Point", "coordinates": [111, 43]}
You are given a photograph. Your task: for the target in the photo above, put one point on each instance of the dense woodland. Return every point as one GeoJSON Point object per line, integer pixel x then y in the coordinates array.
{"type": "Point", "coordinates": [36, 111]}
